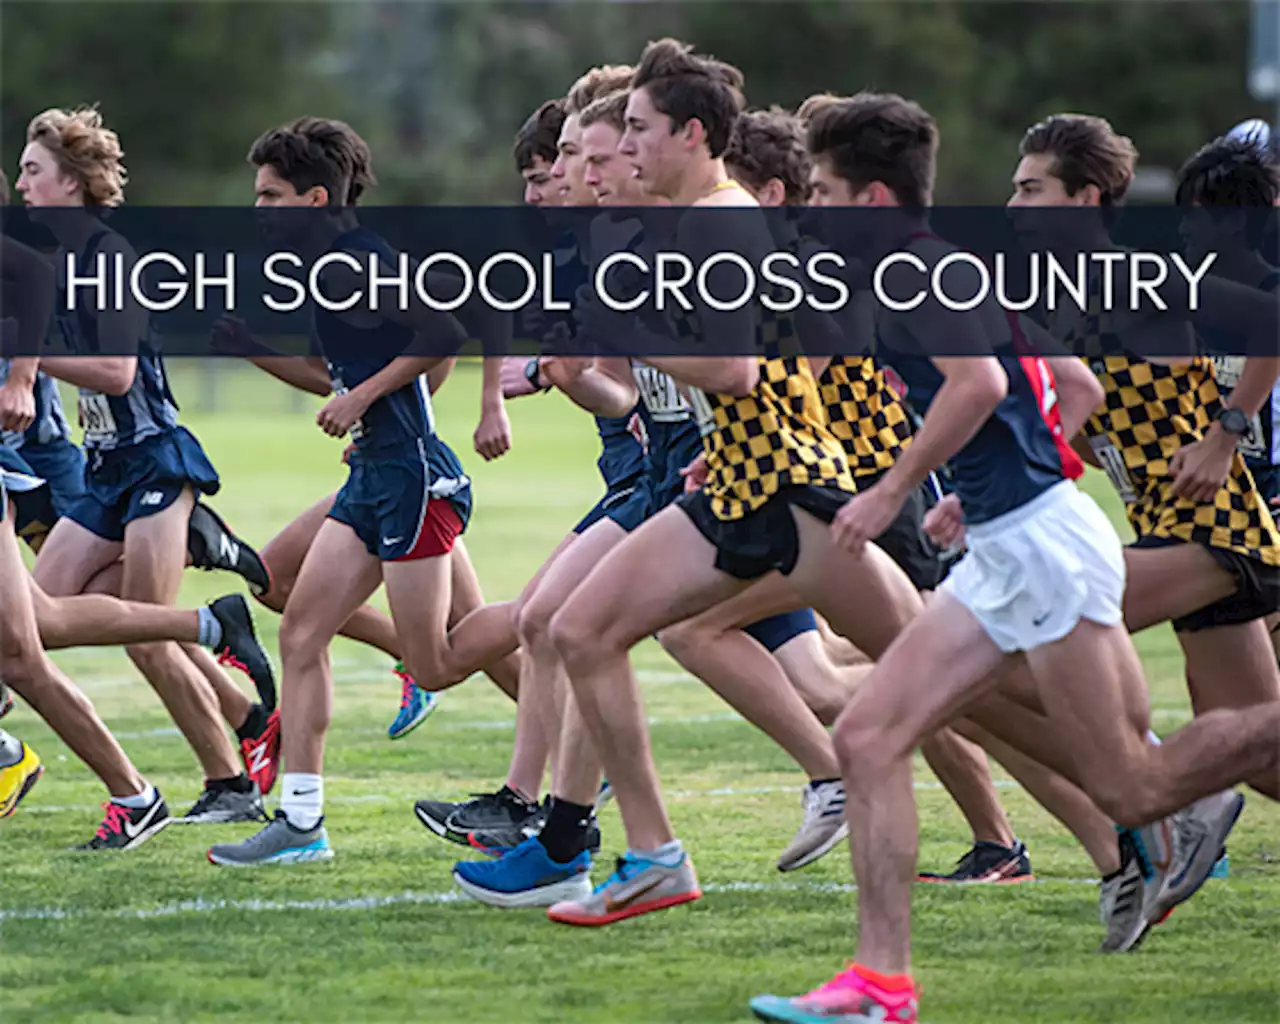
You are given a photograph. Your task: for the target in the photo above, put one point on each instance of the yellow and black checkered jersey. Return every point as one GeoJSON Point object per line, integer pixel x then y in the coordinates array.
{"type": "Point", "coordinates": [1150, 412]}
{"type": "Point", "coordinates": [775, 437]}
{"type": "Point", "coordinates": [864, 413]}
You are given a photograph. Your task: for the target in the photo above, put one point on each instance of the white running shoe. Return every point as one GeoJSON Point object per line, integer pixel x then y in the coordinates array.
{"type": "Point", "coordinates": [823, 826]}
{"type": "Point", "coordinates": [1199, 833]}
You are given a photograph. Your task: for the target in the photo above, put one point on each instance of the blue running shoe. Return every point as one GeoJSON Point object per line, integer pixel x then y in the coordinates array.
{"type": "Point", "coordinates": [415, 705]}
{"type": "Point", "coordinates": [525, 876]}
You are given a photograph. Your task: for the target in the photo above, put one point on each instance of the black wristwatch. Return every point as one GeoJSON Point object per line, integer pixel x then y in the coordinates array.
{"type": "Point", "coordinates": [533, 373]}
{"type": "Point", "coordinates": [1233, 422]}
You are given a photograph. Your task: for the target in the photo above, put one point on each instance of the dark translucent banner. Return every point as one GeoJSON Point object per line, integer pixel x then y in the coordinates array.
{"type": "Point", "coordinates": [1156, 282]}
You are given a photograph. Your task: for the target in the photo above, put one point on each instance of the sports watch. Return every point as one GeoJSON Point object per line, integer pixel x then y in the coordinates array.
{"type": "Point", "coordinates": [533, 373]}
{"type": "Point", "coordinates": [1233, 422]}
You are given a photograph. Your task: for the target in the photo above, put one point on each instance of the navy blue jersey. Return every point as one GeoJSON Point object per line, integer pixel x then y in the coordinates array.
{"type": "Point", "coordinates": [674, 437]}
{"type": "Point", "coordinates": [621, 455]}
{"type": "Point", "coordinates": [50, 423]}
{"type": "Point", "coordinates": [147, 409]}
{"type": "Point", "coordinates": [355, 353]}
{"type": "Point", "coordinates": [1013, 458]}
{"type": "Point", "coordinates": [1260, 446]}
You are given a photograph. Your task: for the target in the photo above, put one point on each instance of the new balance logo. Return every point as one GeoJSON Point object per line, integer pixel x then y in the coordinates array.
{"type": "Point", "coordinates": [228, 550]}
{"type": "Point", "coordinates": [151, 498]}
{"type": "Point", "coordinates": [259, 760]}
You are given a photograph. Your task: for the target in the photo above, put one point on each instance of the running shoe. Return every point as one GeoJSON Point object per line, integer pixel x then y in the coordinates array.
{"type": "Point", "coordinates": [637, 886]}
{"type": "Point", "coordinates": [416, 704]}
{"type": "Point", "coordinates": [212, 546]}
{"type": "Point", "coordinates": [821, 829]}
{"type": "Point", "coordinates": [849, 998]}
{"type": "Point", "coordinates": [261, 754]}
{"type": "Point", "coordinates": [240, 648]}
{"type": "Point", "coordinates": [123, 828]}
{"type": "Point", "coordinates": [218, 805]}
{"type": "Point", "coordinates": [277, 843]}
{"type": "Point", "coordinates": [987, 864]}
{"type": "Point", "coordinates": [525, 876]}
{"type": "Point", "coordinates": [18, 776]}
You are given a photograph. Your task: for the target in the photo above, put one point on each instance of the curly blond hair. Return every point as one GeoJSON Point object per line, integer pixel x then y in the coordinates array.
{"type": "Point", "coordinates": [84, 149]}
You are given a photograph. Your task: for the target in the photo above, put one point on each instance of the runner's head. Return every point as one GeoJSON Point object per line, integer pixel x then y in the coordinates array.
{"type": "Point", "coordinates": [311, 162]}
{"type": "Point", "coordinates": [1073, 160]}
{"type": "Point", "coordinates": [1225, 187]}
{"type": "Point", "coordinates": [535, 152]}
{"type": "Point", "coordinates": [570, 167]}
{"type": "Point", "coordinates": [71, 159]}
{"type": "Point", "coordinates": [608, 174]}
{"type": "Point", "coordinates": [767, 157]}
{"type": "Point", "coordinates": [680, 114]}
{"type": "Point", "coordinates": [871, 149]}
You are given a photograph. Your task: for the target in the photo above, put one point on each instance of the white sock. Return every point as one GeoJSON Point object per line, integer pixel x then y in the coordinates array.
{"type": "Point", "coordinates": [1152, 738]}
{"type": "Point", "coordinates": [139, 800]}
{"type": "Point", "coordinates": [209, 628]}
{"type": "Point", "coordinates": [668, 855]}
{"type": "Point", "coordinates": [302, 799]}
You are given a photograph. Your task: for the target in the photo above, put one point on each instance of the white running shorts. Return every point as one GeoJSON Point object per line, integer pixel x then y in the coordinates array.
{"type": "Point", "coordinates": [1030, 575]}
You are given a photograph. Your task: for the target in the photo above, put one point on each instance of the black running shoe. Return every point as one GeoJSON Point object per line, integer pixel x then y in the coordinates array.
{"type": "Point", "coordinates": [483, 812]}
{"type": "Point", "coordinates": [219, 805]}
{"type": "Point", "coordinates": [212, 546]}
{"type": "Point", "coordinates": [988, 863]}
{"type": "Point", "coordinates": [123, 828]}
{"type": "Point", "coordinates": [241, 649]}
{"type": "Point", "coordinates": [496, 842]}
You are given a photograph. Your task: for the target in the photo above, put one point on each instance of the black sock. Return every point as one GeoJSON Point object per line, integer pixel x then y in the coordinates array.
{"type": "Point", "coordinates": [815, 783]}
{"type": "Point", "coordinates": [254, 724]}
{"type": "Point", "coordinates": [236, 784]}
{"type": "Point", "coordinates": [565, 833]}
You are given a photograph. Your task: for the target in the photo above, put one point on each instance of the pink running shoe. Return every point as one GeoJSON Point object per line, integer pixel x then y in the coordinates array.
{"type": "Point", "coordinates": [848, 998]}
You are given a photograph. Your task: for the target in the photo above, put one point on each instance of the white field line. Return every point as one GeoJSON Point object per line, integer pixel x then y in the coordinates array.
{"type": "Point", "coordinates": [200, 905]}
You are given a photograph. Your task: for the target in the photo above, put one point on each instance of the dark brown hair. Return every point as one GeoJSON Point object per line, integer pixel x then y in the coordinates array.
{"type": "Point", "coordinates": [878, 137]}
{"type": "Point", "coordinates": [1086, 151]}
{"type": "Point", "coordinates": [315, 151]}
{"type": "Point", "coordinates": [768, 144]}
{"type": "Point", "coordinates": [686, 86]}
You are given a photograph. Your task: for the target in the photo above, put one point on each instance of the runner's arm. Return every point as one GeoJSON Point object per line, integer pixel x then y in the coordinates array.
{"type": "Point", "coordinates": [596, 385]}
{"type": "Point", "coordinates": [307, 373]}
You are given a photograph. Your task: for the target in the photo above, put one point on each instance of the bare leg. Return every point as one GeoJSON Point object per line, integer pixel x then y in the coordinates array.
{"type": "Point", "coordinates": [284, 555]}
{"type": "Point", "coordinates": [1233, 667]}
{"type": "Point", "coordinates": [545, 683]}
{"type": "Point", "coordinates": [155, 548]}
{"type": "Point", "coordinates": [595, 629]}
{"type": "Point", "coordinates": [713, 647]}
{"type": "Point", "coordinates": [337, 576]}
{"type": "Point", "coordinates": [1130, 780]}
{"type": "Point", "coordinates": [942, 661]}
{"type": "Point", "coordinates": [232, 701]}
{"type": "Point", "coordinates": [26, 668]}
{"type": "Point", "coordinates": [467, 598]}
{"type": "Point", "coordinates": [1055, 794]}
{"type": "Point", "coordinates": [962, 768]}
{"type": "Point", "coordinates": [94, 620]}
{"type": "Point", "coordinates": [530, 752]}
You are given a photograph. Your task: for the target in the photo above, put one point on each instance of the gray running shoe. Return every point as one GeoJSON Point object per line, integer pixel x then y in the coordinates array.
{"type": "Point", "coordinates": [1199, 834]}
{"type": "Point", "coordinates": [220, 806]}
{"type": "Point", "coordinates": [822, 828]}
{"type": "Point", "coordinates": [277, 843]}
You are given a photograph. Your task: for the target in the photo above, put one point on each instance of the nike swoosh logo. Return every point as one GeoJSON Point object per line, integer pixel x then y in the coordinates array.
{"type": "Point", "coordinates": [133, 831]}
{"type": "Point", "coordinates": [612, 906]}
{"type": "Point", "coordinates": [1041, 620]}
{"type": "Point", "coordinates": [304, 792]}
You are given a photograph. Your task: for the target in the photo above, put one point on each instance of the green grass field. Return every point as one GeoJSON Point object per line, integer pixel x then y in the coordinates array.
{"type": "Point", "coordinates": [380, 933]}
